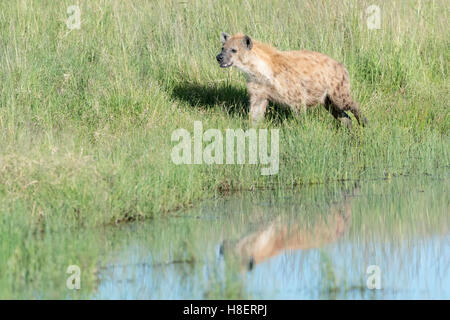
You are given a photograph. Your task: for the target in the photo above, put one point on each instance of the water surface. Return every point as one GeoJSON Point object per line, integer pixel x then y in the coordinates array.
{"type": "Point", "coordinates": [316, 242]}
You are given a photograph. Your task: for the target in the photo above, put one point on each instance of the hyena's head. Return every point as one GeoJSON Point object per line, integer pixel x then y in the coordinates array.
{"type": "Point", "coordinates": [235, 49]}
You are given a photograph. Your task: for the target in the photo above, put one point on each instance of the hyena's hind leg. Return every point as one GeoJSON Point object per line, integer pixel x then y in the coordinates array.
{"type": "Point", "coordinates": [338, 113]}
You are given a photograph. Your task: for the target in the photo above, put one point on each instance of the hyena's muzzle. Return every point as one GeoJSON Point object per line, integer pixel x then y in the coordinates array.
{"type": "Point", "coordinates": [224, 59]}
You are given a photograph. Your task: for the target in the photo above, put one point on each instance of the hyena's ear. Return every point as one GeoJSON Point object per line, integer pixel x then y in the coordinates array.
{"type": "Point", "coordinates": [247, 42]}
{"type": "Point", "coordinates": [224, 37]}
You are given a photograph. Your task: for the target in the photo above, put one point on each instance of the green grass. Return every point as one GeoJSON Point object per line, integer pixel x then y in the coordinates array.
{"type": "Point", "coordinates": [86, 116]}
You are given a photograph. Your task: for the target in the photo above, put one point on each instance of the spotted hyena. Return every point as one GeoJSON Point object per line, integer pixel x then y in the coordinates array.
{"type": "Point", "coordinates": [298, 79]}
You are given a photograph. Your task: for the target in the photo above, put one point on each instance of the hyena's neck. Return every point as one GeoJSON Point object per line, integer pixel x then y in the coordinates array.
{"type": "Point", "coordinates": [257, 68]}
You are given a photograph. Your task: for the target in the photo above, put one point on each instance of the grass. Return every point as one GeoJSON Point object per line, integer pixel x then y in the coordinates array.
{"type": "Point", "coordinates": [86, 115]}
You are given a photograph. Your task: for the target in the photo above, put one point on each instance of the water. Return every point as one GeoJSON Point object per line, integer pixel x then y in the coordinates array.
{"type": "Point", "coordinates": [315, 242]}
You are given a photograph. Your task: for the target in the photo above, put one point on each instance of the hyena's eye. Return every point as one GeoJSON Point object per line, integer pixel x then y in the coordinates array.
{"type": "Point", "coordinates": [233, 50]}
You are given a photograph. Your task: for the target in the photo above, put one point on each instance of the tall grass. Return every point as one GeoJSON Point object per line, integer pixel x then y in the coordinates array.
{"type": "Point", "coordinates": [86, 115]}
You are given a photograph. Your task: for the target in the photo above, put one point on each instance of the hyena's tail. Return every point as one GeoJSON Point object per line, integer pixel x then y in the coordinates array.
{"type": "Point", "coordinates": [344, 102]}
{"type": "Point", "coordinates": [356, 110]}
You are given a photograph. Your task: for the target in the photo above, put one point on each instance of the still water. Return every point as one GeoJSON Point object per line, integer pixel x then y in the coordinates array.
{"type": "Point", "coordinates": [383, 239]}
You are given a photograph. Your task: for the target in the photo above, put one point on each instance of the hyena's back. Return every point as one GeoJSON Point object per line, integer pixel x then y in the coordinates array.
{"type": "Point", "coordinates": [307, 78]}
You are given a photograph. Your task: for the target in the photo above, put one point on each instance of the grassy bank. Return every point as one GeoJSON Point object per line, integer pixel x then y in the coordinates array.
{"type": "Point", "coordinates": [86, 115]}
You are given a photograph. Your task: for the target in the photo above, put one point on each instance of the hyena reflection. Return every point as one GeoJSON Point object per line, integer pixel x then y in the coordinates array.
{"type": "Point", "coordinates": [277, 236]}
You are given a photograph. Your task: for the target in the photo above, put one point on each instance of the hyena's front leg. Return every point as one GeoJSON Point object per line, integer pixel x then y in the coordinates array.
{"type": "Point", "coordinates": [258, 106]}
{"type": "Point", "coordinates": [258, 102]}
